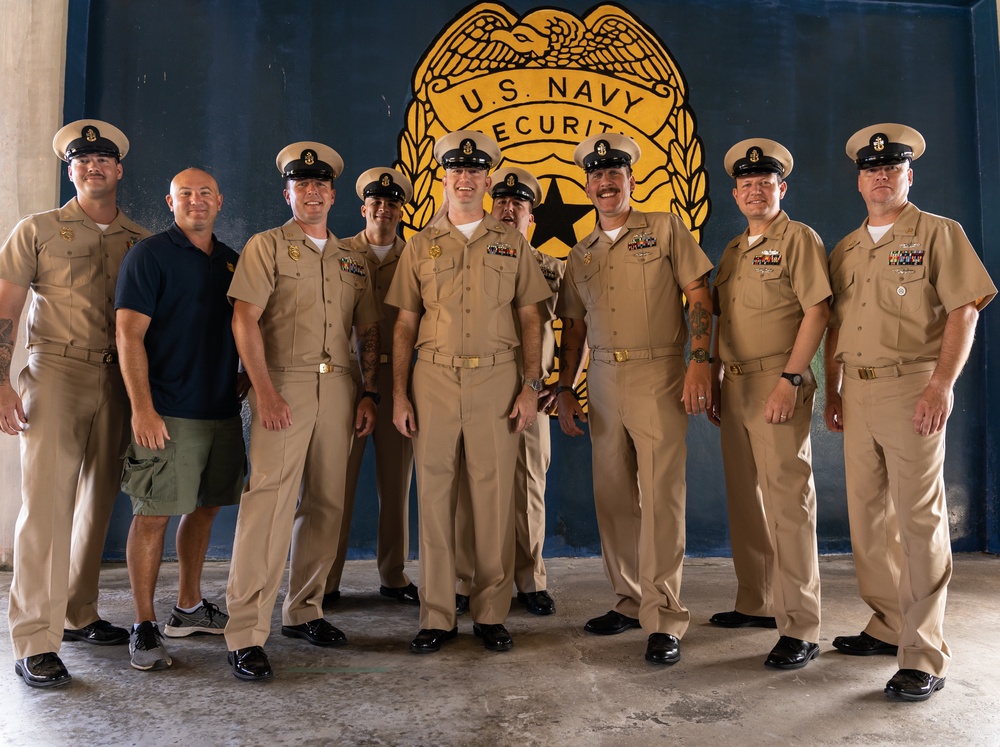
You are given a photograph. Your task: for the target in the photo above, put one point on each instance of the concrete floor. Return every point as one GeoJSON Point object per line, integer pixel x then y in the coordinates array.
{"type": "Point", "coordinates": [559, 685]}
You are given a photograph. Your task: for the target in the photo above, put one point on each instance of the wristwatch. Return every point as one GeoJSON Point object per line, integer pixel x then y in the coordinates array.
{"type": "Point", "coordinates": [700, 355]}
{"type": "Point", "coordinates": [535, 384]}
{"type": "Point", "coordinates": [374, 396]}
{"type": "Point", "coordinates": [796, 379]}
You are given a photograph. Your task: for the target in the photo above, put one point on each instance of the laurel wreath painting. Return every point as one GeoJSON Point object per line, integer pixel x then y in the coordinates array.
{"type": "Point", "coordinates": [541, 83]}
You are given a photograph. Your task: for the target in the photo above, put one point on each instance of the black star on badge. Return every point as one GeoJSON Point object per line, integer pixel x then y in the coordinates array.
{"type": "Point", "coordinates": [554, 219]}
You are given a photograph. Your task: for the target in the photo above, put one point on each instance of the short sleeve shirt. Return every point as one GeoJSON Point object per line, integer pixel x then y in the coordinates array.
{"type": "Point", "coordinates": [762, 292]}
{"type": "Point", "coordinates": [189, 343]}
{"type": "Point", "coordinates": [311, 299]}
{"type": "Point", "coordinates": [467, 289]}
{"type": "Point", "coordinates": [381, 271]}
{"type": "Point", "coordinates": [71, 266]}
{"type": "Point", "coordinates": [892, 298]}
{"type": "Point", "coordinates": [629, 290]}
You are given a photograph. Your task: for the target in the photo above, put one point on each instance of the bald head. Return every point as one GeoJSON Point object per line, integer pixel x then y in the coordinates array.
{"type": "Point", "coordinates": [194, 200]}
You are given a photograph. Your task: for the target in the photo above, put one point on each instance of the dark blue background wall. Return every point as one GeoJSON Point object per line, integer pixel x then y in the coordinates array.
{"type": "Point", "coordinates": [225, 85]}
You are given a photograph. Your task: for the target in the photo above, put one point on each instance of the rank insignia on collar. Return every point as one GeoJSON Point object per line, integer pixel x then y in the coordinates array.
{"type": "Point", "coordinates": [434, 251]}
{"type": "Point", "coordinates": [66, 233]}
{"type": "Point", "coordinates": [906, 257]}
{"type": "Point", "coordinates": [502, 250]}
{"type": "Point", "coordinates": [294, 253]}
{"type": "Point", "coordinates": [587, 259]}
{"type": "Point", "coordinates": [641, 241]}
{"type": "Point", "coordinates": [353, 266]}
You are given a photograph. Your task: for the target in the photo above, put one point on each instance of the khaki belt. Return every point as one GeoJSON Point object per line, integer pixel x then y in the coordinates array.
{"type": "Point", "coordinates": [888, 372]}
{"type": "Point", "coordinates": [621, 355]}
{"type": "Point", "coordinates": [107, 357]}
{"type": "Point", "coordinates": [761, 364]}
{"type": "Point", "coordinates": [321, 368]}
{"type": "Point", "coordinates": [465, 361]}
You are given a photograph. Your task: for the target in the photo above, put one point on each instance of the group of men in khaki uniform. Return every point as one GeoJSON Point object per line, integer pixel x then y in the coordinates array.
{"type": "Point", "coordinates": [476, 301]}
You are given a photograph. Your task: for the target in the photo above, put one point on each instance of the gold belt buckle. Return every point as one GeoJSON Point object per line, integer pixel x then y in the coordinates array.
{"type": "Point", "coordinates": [109, 358]}
{"type": "Point", "coordinates": [325, 368]}
{"type": "Point", "coordinates": [736, 369]}
{"type": "Point", "coordinates": [867, 373]}
{"type": "Point", "coordinates": [621, 356]}
{"type": "Point", "coordinates": [469, 362]}
{"type": "Point", "coordinates": [383, 358]}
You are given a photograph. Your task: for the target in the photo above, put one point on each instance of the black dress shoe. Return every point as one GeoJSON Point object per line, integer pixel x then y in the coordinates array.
{"type": "Point", "coordinates": [99, 632]}
{"type": "Point", "coordinates": [42, 670]}
{"type": "Point", "coordinates": [332, 598]}
{"type": "Point", "coordinates": [406, 594]}
{"type": "Point", "coordinates": [318, 632]}
{"type": "Point", "coordinates": [537, 602]}
{"type": "Point", "coordinates": [461, 604]}
{"type": "Point", "coordinates": [250, 664]}
{"type": "Point", "coordinates": [611, 624]}
{"type": "Point", "coordinates": [736, 619]}
{"type": "Point", "coordinates": [912, 684]}
{"type": "Point", "coordinates": [791, 653]}
{"type": "Point", "coordinates": [429, 640]}
{"type": "Point", "coordinates": [663, 648]}
{"type": "Point", "coordinates": [863, 645]}
{"type": "Point", "coordinates": [495, 637]}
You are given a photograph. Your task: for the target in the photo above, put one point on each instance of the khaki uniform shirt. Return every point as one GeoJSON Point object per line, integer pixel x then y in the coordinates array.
{"type": "Point", "coordinates": [891, 299]}
{"type": "Point", "coordinates": [311, 299]}
{"type": "Point", "coordinates": [553, 270]}
{"type": "Point", "coordinates": [72, 267]}
{"type": "Point", "coordinates": [629, 290]}
{"type": "Point", "coordinates": [761, 293]}
{"type": "Point", "coordinates": [465, 289]}
{"type": "Point", "coordinates": [381, 272]}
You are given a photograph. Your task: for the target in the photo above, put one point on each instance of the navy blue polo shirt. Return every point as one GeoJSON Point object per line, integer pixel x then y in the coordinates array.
{"type": "Point", "coordinates": [189, 343]}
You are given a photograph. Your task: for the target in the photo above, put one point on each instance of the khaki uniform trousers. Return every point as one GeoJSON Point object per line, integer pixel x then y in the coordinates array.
{"type": "Point", "coordinates": [534, 454]}
{"type": "Point", "coordinates": [309, 459]}
{"type": "Point", "coordinates": [772, 503]}
{"type": "Point", "coordinates": [71, 473]}
{"type": "Point", "coordinates": [638, 428]}
{"type": "Point", "coordinates": [899, 517]}
{"type": "Point", "coordinates": [393, 472]}
{"type": "Point", "coordinates": [463, 433]}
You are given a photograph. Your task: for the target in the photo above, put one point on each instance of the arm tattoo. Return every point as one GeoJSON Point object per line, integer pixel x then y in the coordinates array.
{"type": "Point", "coordinates": [702, 282]}
{"type": "Point", "coordinates": [368, 352]}
{"type": "Point", "coordinates": [6, 348]}
{"type": "Point", "coordinates": [700, 321]}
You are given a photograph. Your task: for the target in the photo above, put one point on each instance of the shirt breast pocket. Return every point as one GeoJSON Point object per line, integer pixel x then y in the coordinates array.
{"type": "Point", "coordinates": [64, 265]}
{"type": "Point", "coordinates": [590, 284]}
{"type": "Point", "coordinates": [499, 274]}
{"type": "Point", "coordinates": [437, 278]}
{"type": "Point", "coordinates": [353, 287]}
{"type": "Point", "coordinates": [297, 281]}
{"type": "Point", "coordinates": [762, 289]}
{"type": "Point", "coordinates": [644, 268]}
{"type": "Point", "coordinates": [901, 288]}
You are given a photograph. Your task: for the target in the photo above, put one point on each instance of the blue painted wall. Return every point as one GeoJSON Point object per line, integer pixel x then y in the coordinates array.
{"type": "Point", "coordinates": [225, 85]}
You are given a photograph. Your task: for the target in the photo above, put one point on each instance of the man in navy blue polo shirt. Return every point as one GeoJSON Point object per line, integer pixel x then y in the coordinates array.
{"type": "Point", "coordinates": [179, 362]}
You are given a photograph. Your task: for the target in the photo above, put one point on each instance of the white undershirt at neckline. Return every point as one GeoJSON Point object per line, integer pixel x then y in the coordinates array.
{"type": "Point", "coordinates": [877, 232]}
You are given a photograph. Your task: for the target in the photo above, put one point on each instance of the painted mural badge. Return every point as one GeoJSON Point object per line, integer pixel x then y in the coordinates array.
{"type": "Point", "coordinates": [541, 83]}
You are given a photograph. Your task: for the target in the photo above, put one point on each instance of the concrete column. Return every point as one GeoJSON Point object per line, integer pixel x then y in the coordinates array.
{"type": "Point", "coordinates": [32, 74]}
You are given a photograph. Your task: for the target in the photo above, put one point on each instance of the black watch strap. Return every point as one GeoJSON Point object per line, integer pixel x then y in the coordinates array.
{"type": "Point", "coordinates": [796, 379]}
{"type": "Point", "coordinates": [373, 395]}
